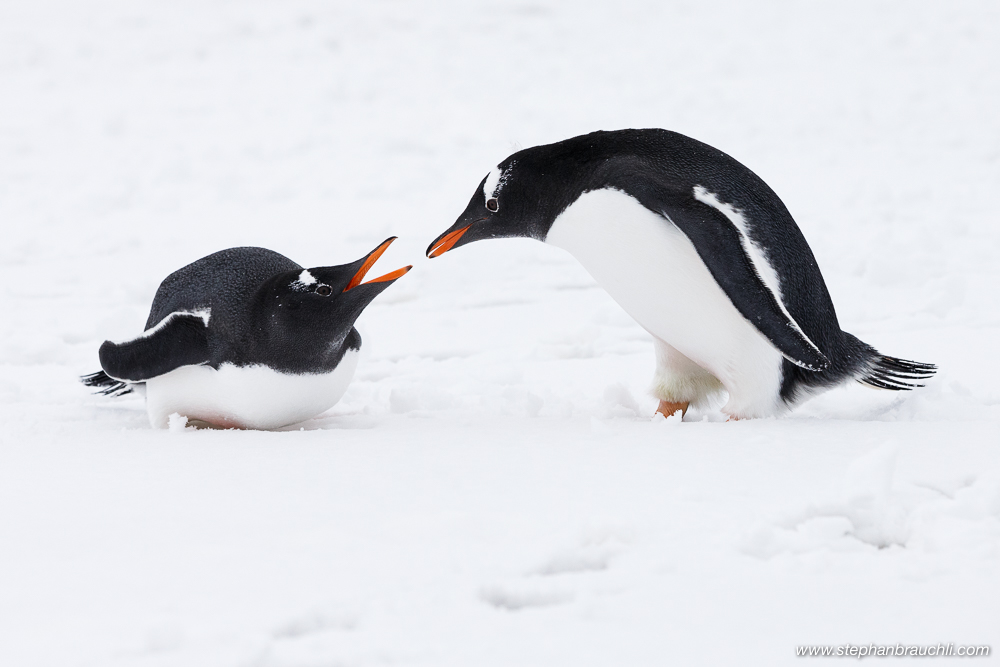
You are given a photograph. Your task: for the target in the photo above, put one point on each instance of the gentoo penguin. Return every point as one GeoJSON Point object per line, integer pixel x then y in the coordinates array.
{"type": "Point", "coordinates": [700, 252]}
{"type": "Point", "coordinates": [246, 338]}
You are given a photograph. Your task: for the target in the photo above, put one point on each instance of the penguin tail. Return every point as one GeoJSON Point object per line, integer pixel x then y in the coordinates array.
{"type": "Point", "coordinates": [105, 384]}
{"type": "Point", "coordinates": [888, 372]}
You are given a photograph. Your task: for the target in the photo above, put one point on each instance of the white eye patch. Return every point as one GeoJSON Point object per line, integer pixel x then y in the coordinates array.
{"type": "Point", "coordinates": [492, 180]}
{"type": "Point", "coordinates": [496, 180]}
{"type": "Point", "coordinates": [304, 280]}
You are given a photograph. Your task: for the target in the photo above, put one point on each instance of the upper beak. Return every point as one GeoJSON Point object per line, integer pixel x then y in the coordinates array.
{"type": "Point", "coordinates": [370, 261]}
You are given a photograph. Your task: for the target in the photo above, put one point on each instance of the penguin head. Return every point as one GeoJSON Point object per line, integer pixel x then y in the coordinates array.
{"type": "Point", "coordinates": [304, 316]}
{"type": "Point", "coordinates": [524, 194]}
{"type": "Point", "coordinates": [509, 202]}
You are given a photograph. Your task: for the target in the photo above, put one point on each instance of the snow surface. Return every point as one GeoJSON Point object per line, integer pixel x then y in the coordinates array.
{"type": "Point", "coordinates": [491, 489]}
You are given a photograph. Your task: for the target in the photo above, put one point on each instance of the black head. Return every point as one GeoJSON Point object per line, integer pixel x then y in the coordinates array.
{"type": "Point", "coordinates": [304, 319]}
{"type": "Point", "coordinates": [501, 207]}
{"type": "Point", "coordinates": [525, 193]}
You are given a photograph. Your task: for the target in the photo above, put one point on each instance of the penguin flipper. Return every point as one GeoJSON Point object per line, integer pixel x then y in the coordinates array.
{"type": "Point", "coordinates": [179, 339]}
{"type": "Point", "coordinates": [722, 246]}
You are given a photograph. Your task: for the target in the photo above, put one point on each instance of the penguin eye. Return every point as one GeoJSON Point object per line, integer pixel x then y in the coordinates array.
{"type": "Point", "coordinates": [492, 204]}
{"type": "Point", "coordinates": [324, 290]}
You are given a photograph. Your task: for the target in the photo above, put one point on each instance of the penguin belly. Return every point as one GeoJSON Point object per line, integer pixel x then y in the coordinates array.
{"type": "Point", "coordinates": [655, 274]}
{"type": "Point", "coordinates": [254, 397]}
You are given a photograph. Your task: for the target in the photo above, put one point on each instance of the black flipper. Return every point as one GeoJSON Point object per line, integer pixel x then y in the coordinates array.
{"type": "Point", "coordinates": [180, 339]}
{"type": "Point", "coordinates": [720, 245]}
{"type": "Point", "coordinates": [106, 384]}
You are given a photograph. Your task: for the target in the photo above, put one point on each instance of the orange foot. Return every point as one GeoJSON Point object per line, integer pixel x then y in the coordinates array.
{"type": "Point", "coordinates": [667, 409]}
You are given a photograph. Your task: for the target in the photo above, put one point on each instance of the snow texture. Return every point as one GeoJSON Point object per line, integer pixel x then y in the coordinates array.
{"type": "Point", "coordinates": [491, 489]}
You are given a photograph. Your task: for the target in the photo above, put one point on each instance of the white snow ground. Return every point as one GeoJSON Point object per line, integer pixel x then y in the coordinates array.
{"type": "Point", "coordinates": [491, 490]}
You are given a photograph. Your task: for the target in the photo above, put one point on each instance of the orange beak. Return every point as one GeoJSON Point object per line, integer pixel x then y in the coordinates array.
{"type": "Point", "coordinates": [446, 242]}
{"type": "Point", "coordinates": [370, 261]}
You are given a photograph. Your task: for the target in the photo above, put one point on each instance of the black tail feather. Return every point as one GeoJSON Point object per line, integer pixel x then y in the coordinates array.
{"type": "Point", "coordinates": [897, 374]}
{"type": "Point", "coordinates": [106, 384]}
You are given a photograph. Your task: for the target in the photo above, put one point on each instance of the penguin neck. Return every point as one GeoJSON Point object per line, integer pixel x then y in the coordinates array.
{"type": "Point", "coordinates": [569, 182]}
{"type": "Point", "coordinates": [308, 353]}
{"type": "Point", "coordinates": [308, 342]}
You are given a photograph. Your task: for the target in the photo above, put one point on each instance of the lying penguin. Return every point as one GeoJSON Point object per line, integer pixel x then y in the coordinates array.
{"type": "Point", "coordinates": [700, 251]}
{"type": "Point", "coordinates": [246, 338]}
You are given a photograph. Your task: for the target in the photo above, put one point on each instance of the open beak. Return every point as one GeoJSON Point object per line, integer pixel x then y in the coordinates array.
{"type": "Point", "coordinates": [370, 261]}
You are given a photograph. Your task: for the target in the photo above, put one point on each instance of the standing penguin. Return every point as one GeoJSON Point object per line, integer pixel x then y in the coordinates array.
{"type": "Point", "coordinates": [700, 251]}
{"type": "Point", "coordinates": [246, 338]}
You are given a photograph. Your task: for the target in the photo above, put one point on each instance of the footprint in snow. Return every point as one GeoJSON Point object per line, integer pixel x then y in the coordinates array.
{"type": "Point", "coordinates": [553, 581]}
{"type": "Point", "coordinates": [521, 595]}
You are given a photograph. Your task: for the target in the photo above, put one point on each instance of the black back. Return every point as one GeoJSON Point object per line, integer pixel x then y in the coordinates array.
{"type": "Point", "coordinates": [221, 281]}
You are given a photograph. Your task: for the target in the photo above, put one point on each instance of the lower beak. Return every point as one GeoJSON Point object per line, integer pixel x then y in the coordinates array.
{"type": "Point", "coordinates": [445, 242]}
{"type": "Point", "coordinates": [370, 261]}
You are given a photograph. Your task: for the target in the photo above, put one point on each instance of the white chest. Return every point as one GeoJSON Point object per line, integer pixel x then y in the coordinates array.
{"type": "Point", "coordinates": [654, 272]}
{"type": "Point", "coordinates": [255, 397]}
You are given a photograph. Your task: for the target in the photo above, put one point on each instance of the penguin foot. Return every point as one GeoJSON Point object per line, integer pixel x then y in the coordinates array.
{"type": "Point", "coordinates": [668, 409]}
{"type": "Point", "coordinates": [203, 425]}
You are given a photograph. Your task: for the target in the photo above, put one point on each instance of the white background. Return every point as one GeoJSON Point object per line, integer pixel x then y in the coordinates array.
{"type": "Point", "coordinates": [491, 490]}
